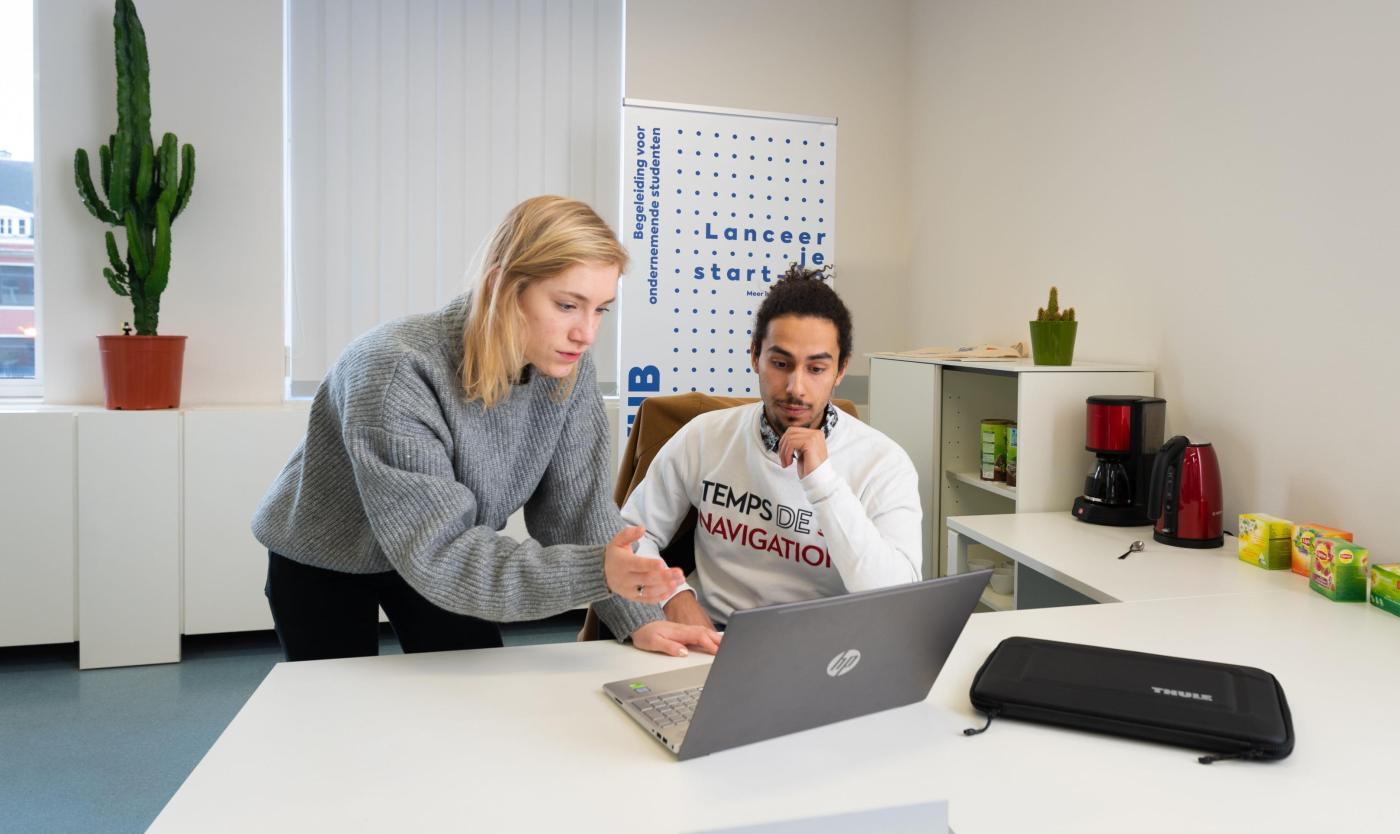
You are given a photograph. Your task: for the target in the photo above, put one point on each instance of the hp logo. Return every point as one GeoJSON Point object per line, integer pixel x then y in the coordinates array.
{"type": "Point", "coordinates": [843, 663]}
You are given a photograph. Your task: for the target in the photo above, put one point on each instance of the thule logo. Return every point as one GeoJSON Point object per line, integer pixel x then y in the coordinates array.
{"type": "Point", "coordinates": [1181, 693]}
{"type": "Point", "coordinates": [843, 663]}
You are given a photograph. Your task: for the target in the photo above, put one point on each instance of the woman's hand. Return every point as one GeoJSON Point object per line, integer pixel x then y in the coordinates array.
{"type": "Point", "coordinates": [671, 638]}
{"type": "Point", "coordinates": [637, 578]}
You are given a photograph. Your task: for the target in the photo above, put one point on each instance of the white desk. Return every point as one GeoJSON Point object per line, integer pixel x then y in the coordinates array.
{"type": "Point", "coordinates": [1084, 558]}
{"type": "Point", "coordinates": [522, 739]}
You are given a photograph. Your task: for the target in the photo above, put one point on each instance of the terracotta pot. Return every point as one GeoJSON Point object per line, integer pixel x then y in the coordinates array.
{"type": "Point", "coordinates": [142, 372]}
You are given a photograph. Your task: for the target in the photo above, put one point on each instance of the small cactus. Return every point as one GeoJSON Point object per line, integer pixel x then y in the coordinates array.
{"type": "Point", "coordinates": [1053, 312]}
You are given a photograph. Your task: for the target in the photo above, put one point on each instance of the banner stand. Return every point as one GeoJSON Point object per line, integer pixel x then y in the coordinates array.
{"type": "Point", "coordinates": [716, 205]}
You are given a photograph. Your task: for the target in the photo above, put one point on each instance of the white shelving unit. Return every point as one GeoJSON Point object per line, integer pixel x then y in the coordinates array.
{"type": "Point", "coordinates": [934, 409]}
{"type": "Point", "coordinates": [999, 602]}
{"type": "Point", "coordinates": [975, 479]}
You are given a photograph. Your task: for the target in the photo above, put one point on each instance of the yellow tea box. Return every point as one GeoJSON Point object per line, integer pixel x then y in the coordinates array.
{"type": "Point", "coordinates": [1265, 556]}
{"type": "Point", "coordinates": [1265, 541]}
{"type": "Point", "coordinates": [1339, 570]}
{"type": "Point", "coordinates": [1385, 588]}
{"type": "Point", "coordinates": [1303, 537]}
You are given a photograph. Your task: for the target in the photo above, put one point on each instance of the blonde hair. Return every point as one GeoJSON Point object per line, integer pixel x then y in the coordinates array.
{"type": "Point", "coordinates": [538, 239]}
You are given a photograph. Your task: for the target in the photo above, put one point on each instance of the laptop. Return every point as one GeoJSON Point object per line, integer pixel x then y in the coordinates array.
{"type": "Point", "coordinates": [790, 667]}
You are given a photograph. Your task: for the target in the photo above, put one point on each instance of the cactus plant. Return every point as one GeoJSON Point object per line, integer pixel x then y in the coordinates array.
{"type": "Point", "coordinates": [146, 187]}
{"type": "Point", "coordinates": [1053, 312]}
{"type": "Point", "coordinates": [1052, 333]}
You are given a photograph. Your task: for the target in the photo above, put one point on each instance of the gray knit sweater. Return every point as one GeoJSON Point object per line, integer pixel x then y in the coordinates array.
{"type": "Point", "coordinates": [399, 472]}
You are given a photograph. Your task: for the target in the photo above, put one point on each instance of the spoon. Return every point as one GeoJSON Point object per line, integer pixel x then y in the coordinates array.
{"type": "Point", "coordinates": [1135, 547]}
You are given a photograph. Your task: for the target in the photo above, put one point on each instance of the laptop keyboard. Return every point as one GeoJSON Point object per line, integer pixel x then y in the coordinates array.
{"type": "Point", "coordinates": [671, 709]}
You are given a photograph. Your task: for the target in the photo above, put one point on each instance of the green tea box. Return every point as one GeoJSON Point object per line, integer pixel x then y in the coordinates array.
{"type": "Point", "coordinates": [1303, 537]}
{"type": "Point", "coordinates": [1339, 570]}
{"type": "Point", "coordinates": [1385, 587]}
{"type": "Point", "coordinates": [994, 449]}
{"type": "Point", "coordinates": [1266, 541]}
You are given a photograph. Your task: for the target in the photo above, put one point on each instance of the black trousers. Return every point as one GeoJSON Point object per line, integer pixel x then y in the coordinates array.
{"type": "Point", "coordinates": [321, 614]}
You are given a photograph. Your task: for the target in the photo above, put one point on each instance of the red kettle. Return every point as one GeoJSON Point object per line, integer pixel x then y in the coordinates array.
{"type": "Point", "coordinates": [1185, 496]}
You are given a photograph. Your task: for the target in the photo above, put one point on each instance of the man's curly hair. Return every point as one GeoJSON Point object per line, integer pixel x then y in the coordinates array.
{"type": "Point", "coordinates": [804, 292]}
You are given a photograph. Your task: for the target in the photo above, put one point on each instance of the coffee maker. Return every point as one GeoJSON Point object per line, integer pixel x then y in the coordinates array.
{"type": "Point", "coordinates": [1124, 433]}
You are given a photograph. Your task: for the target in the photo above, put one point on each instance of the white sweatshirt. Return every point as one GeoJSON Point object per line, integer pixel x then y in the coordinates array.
{"type": "Point", "coordinates": [767, 536]}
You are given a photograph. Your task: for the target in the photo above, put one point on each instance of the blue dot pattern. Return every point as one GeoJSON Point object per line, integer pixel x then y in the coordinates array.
{"type": "Point", "coordinates": [727, 245]}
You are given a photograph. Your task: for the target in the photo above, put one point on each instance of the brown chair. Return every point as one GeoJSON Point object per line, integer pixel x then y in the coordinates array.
{"type": "Point", "coordinates": [657, 419]}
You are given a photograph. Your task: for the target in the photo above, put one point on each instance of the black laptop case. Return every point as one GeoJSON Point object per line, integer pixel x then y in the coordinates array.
{"type": "Point", "coordinates": [1231, 711]}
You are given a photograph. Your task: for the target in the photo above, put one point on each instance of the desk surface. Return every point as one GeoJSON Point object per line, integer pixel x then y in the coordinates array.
{"type": "Point", "coordinates": [1085, 557]}
{"type": "Point", "coordinates": [523, 739]}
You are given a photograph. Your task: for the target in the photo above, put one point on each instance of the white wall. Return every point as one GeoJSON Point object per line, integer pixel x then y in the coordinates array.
{"type": "Point", "coordinates": [1213, 186]}
{"type": "Point", "coordinates": [216, 82]}
{"type": "Point", "coordinates": [817, 58]}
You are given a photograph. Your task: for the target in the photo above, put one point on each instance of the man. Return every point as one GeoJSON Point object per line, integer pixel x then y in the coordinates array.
{"type": "Point", "coordinates": [795, 499]}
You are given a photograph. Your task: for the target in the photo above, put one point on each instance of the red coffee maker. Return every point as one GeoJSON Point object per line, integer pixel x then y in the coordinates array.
{"type": "Point", "coordinates": [1124, 433]}
{"type": "Point", "coordinates": [1186, 497]}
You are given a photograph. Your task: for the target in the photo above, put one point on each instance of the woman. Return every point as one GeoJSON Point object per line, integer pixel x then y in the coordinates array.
{"type": "Point", "coordinates": [430, 431]}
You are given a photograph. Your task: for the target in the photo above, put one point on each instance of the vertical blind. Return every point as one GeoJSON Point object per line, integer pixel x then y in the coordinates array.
{"type": "Point", "coordinates": [413, 126]}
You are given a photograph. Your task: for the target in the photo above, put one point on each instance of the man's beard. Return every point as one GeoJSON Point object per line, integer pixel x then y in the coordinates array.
{"type": "Point", "coordinates": [780, 419]}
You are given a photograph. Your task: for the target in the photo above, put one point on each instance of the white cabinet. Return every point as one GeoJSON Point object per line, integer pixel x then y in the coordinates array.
{"type": "Point", "coordinates": [232, 456]}
{"type": "Point", "coordinates": [123, 530]}
{"type": "Point", "coordinates": [128, 538]}
{"type": "Point", "coordinates": [934, 409]}
{"type": "Point", "coordinates": [37, 539]}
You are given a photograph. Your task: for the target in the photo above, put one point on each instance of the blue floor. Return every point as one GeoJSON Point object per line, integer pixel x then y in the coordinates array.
{"type": "Point", "coordinates": [104, 750]}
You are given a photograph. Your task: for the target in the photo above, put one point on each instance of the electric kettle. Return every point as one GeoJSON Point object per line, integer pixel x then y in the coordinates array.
{"type": "Point", "coordinates": [1185, 496]}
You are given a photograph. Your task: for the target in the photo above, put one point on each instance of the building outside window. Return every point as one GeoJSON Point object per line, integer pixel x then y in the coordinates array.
{"type": "Point", "coordinates": [18, 323]}
{"type": "Point", "coordinates": [17, 320]}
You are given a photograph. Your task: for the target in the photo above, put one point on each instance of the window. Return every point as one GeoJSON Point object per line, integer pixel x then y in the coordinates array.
{"type": "Point", "coordinates": [412, 129]}
{"type": "Point", "coordinates": [18, 330]}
